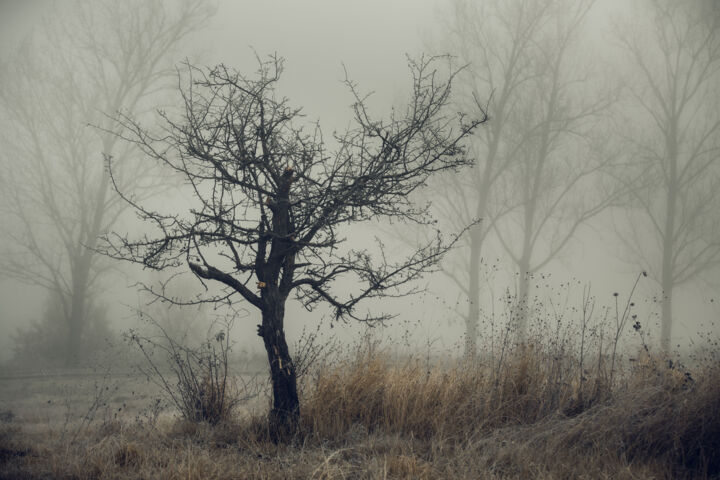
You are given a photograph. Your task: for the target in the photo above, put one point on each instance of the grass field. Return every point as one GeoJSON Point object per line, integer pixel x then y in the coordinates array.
{"type": "Point", "coordinates": [372, 415]}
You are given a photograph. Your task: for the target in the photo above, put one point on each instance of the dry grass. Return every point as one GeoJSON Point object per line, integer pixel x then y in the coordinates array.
{"type": "Point", "coordinates": [447, 402]}
{"type": "Point", "coordinates": [369, 417]}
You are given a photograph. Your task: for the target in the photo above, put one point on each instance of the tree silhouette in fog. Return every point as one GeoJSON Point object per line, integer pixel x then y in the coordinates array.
{"type": "Point", "coordinates": [91, 59]}
{"type": "Point", "coordinates": [673, 136]}
{"type": "Point", "coordinates": [269, 200]}
{"type": "Point", "coordinates": [536, 179]}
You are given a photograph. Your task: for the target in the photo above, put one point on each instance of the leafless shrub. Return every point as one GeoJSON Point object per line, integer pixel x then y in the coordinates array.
{"type": "Point", "coordinates": [203, 390]}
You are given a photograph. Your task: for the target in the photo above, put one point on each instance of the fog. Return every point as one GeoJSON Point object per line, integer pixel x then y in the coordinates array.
{"type": "Point", "coordinates": [595, 218]}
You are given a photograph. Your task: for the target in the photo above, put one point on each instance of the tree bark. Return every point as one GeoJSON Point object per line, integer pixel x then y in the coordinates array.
{"type": "Point", "coordinates": [285, 413]}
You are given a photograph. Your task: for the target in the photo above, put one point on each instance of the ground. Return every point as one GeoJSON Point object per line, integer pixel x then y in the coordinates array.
{"type": "Point", "coordinates": [377, 417]}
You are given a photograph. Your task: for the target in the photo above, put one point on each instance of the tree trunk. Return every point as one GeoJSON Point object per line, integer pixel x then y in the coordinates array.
{"type": "Point", "coordinates": [667, 285]}
{"type": "Point", "coordinates": [81, 260]}
{"type": "Point", "coordinates": [473, 315]}
{"type": "Point", "coordinates": [666, 320]}
{"type": "Point", "coordinates": [285, 413]}
{"type": "Point", "coordinates": [668, 244]}
{"type": "Point", "coordinates": [78, 308]}
{"type": "Point", "coordinates": [75, 327]}
{"type": "Point", "coordinates": [477, 236]}
{"type": "Point", "coordinates": [520, 311]}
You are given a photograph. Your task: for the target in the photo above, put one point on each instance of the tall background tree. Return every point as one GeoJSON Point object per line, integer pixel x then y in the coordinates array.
{"type": "Point", "coordinates": [91, 59]}
{"type": "Point", "coordinates": [496, 39]}
{"type": "Point", "coordinates": [270, 200]}
{"type": "Point", "coordinates": [556, 184]}
{"type": "Point", "coordinates": [537, 160]}
{"type": "Point", "coordinates": [673, 137]}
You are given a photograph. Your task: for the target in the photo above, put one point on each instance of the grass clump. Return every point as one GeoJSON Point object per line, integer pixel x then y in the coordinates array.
{"type": "Point", "coordinates": [445, 401]}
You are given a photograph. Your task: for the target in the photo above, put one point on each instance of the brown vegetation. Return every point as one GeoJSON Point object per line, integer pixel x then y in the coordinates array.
{"type": "Point", "coordinates": [372, 417]}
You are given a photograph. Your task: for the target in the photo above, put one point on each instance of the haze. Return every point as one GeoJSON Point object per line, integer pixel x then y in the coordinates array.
{"type": "Point", "coordinates": [599, 233]}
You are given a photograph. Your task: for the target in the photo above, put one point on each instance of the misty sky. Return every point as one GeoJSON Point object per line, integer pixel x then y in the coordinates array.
{"type": "Point", "coordinates": [318, 37]}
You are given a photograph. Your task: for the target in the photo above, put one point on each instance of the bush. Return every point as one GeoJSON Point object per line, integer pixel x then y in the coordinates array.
{"type": "Point", "coordinates": [203, 390]}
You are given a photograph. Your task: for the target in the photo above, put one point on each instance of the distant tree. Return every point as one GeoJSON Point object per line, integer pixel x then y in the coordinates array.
{"type": "Point", "coordinates": [269, 200]}
{"type": "Point", "coordinates": [498, 40]}
{"type": "Point", "coordinates": [533, 184]}
{"type": "Point", "coordinates": [92, 58]}
{"type": "Point", "coordinates": [556, 184]}
{"type": "Point", "coordinates": [673, 136]}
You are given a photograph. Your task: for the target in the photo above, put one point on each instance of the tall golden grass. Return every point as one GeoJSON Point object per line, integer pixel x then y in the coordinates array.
{"type": "Point", "coordinates": [448, 401]}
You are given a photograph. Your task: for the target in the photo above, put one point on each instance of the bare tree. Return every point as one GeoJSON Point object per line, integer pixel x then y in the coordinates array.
{"type": "Point", "coordinates": [673, 135]}
{"type": "Point", "coordinates": [555, 186]}
{"type": "Point", "coordinates": [498, 40]}
{"type": "Point", "coordinates": [270, 199]}
{"type": "Point", "coordinates": [533, 159]}
{"type": "Point", "coordinates": [92, 59]}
